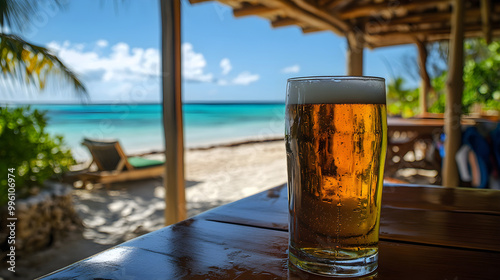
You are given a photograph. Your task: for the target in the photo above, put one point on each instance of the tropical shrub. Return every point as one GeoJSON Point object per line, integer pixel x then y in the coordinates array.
{"type": "Point", "coordinates": [34, 154]}
{"type": "Point", "coordinates": [402, 102]}
{"type": "Point", "coordinates": [482, 78]}
{"type": "Point", "coordinates": [481, 83]}
{"type": "Point", "coordinates": [439, 85]}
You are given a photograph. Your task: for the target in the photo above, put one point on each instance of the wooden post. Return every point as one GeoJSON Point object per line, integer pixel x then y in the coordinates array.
{"type": "Point", "coordinates": [425, 84]}
{"type": "Point", "coordinates": [355, 42]}
{"type": "Point", "coordinates": [175, 200]}
{"type": "Point", "coordinates": [454, 89]}
{"type": "Point", "coordinates": [486, 18]}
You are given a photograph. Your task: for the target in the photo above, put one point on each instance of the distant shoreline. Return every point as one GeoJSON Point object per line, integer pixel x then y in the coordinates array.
{"type": "Point", "coordinates": [139, 128]}
{"type": "Point", "coordinates": [151, 103]}
{"type": "Point", "coordinates": [237, 143]}
{"type": "Point", "coordinates": [220, 145]}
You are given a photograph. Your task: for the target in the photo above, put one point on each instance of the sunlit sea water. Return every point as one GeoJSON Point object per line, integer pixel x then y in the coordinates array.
{"type": "Point", "coordinates": [139, 128]}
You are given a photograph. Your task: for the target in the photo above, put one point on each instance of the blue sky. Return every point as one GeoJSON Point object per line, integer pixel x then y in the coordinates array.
{"type": "Point", "coordinates": [115, 50]}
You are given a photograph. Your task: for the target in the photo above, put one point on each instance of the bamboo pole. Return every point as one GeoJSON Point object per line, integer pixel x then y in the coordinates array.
{"type": "Point", "coordinates": [175, 209]}
{"type": "Point", "coordinates": [425, 84]}
{"type": "Point", "coordinates": [355, 43]}
{"type": "Point", "coordinates": [454, 88]}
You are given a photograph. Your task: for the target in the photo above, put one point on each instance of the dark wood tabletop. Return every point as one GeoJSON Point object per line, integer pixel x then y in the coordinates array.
{"type": "Point", "coordinates": [420, 122]}
{"type": "Point", "coordinates": [426, 233]}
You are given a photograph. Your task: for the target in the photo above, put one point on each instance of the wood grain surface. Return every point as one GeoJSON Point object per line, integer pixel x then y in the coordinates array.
{"type": "Point", "coordinates": [248, 239]}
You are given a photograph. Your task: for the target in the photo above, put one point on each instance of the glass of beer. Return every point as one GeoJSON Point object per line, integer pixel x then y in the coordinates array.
{"type": "Point", "coordinates": [336, 139]}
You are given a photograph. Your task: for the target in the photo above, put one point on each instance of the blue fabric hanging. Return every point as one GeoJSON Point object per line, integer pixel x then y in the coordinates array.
{"type": "Point", "coordinates": [495, 140]}
{"type": "Point", "coordinates": [480, 147]}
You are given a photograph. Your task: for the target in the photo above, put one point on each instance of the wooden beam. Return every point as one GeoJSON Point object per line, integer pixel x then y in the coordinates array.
{"type": "Point", "coordinates": [281, 22]}
{"type": "Point", "coordinates": [486, 19]}
{"type": "Point", "coordinates": [373, 9]}
{"type": "Point", "coordinates": [293, 11]}
{"type": "Point", "coordinates": [454, 90]}
{"type": "Point", "coordinates": [330, 5]}
{"type": "Point", "coordinates": [342, 4]}
{"type": "Point", "coordinates": [330, 17]}
{"type": "Point", "coordinates": [425, 84]}
{"type": "Point", "coordinates": [422, 18]}
{"type": "Point", "coordinates": [402, 39]}
{"type": "Point", "coordinates": [419, 19]}
{"type": "Point", "coordinates": [175, 200]}
{"type": "Point", "coordinates": [257, 10]}
{"type": "Point", "coordinates": [198, 1]}
{"type": "Point", "coordinates": [307, 30]}
{"type": "Point", "coordinates": [418, 32]}
{"type": "Point", "coordinates": [355, 42]}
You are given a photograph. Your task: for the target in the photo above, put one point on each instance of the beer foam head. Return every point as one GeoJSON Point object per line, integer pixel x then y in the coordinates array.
{"type": "Point", "coordinates": [336, 90]}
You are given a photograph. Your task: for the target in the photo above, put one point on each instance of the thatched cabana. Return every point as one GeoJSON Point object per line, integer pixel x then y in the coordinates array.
{"type": "Point", "coordinates": [381, 23]}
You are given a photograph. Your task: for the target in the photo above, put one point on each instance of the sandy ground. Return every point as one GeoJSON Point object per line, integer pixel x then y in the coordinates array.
{"type": "Point", "coordinates": [214, 177]}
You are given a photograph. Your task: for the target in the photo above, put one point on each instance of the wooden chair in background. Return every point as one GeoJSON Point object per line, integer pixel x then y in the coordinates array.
{"type": "Point", "coordinates": [113, 165]}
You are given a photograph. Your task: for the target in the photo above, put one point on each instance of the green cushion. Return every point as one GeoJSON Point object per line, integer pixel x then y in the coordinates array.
{"type": "Point", "coordinates": [140, 162]}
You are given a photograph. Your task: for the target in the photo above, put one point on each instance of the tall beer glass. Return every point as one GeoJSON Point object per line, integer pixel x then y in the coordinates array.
{"type": "Point", "coordinates": [336, 142]}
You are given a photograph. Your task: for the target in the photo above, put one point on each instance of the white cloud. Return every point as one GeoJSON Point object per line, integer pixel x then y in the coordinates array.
{"type": "Point", "coordinates": [127, 64]}
{"type": "Point", "coordinates": [123, 64]}
{"type": "Point", "coordinates": [122, 73]}
{"type": "Point", "coordinates": [222, 82]}
{"type": "Point", "coordinates": [245, 78]}
{"type": "Point", "coordinates": [102, 43]}
{"type": "Point", "coordinates": [79, 47]}
{"type": "Point", "coordinates": [291, 69]}
{"type": "Point", "coordinates": [193, 65]}
{"type": "Point", "coordinates": [225, 64]}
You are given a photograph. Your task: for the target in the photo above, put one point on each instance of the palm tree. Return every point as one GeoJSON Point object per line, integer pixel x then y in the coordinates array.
{"type": "Point", "coordinates": [21, 60]}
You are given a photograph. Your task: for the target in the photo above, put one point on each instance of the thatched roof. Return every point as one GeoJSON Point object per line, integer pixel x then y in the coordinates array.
{"type": "Point", "coordinates": [380, 22]}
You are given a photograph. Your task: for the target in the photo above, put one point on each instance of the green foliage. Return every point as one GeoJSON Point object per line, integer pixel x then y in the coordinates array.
{"type": "Point", "coordinates": [402, 102]}
{"type": "Point", "coordinates": [439, 85]}
{"type": "Point", "coordinates": [482, 76]}
{"type": "Point", "coordinates": [27, 147]}
{"type": "Point", "coordinates": [24, 61]}
{"type": "Point", "coordinates": [481, 83]}
{"type": "Point", "coordinates": [17, 14]}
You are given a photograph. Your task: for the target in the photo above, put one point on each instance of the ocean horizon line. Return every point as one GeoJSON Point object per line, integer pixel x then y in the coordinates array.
{"type": "Point", "coordinates": [139, 126]}
{"type": "Point", "coordinates": [229, 102]}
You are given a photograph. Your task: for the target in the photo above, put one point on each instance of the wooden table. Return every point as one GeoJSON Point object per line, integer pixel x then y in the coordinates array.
{"type": "Point", "coordinates": [426, 233]}
{"type": "Point", "coordinates": [423, 125]}
{"type": "Point", "coordinates": [416, 136]}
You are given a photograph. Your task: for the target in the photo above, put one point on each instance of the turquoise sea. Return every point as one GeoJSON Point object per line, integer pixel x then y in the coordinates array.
{"type": "Point", "coordinates": [138, 127]}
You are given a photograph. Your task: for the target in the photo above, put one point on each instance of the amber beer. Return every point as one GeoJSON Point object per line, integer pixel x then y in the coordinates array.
{"type": "Point", "coordinates": [336, 142]}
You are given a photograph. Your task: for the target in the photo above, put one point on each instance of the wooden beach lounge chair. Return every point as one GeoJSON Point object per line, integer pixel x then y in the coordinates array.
{"type": "Point", "coordinates": [114, 166]}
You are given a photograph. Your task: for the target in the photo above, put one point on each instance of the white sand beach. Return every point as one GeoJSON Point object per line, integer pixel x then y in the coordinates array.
{"type": "Point", "coordinates": [214, 176]}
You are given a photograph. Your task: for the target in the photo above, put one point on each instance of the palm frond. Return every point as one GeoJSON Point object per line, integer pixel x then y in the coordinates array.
{"type": "Point", "coordinates": [25, 61]}
{"type": "Point", "coordinates": [17, 14]}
